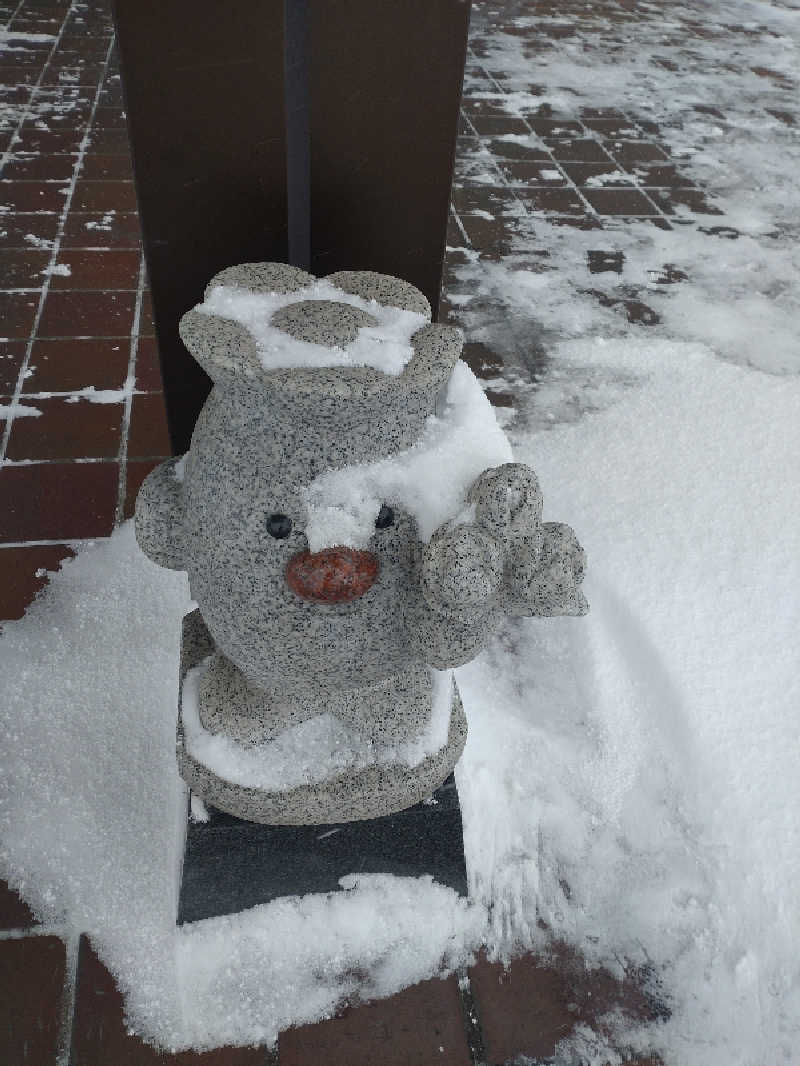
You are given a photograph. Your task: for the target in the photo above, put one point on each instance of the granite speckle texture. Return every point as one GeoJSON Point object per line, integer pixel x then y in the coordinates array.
{"type": "Point", "coordinates": [290, 637]}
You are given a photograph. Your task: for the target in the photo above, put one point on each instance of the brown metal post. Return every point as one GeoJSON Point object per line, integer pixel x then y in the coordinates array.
{"type": "Point", "coordinates": [385, 92]}
{"type": "Point", "coordinates": [204, 96]}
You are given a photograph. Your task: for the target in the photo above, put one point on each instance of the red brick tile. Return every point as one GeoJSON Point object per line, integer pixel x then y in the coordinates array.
{"type": "Point", "coordinates": [577, 151]}
{"type": "Point", "coordinates": [611, 128]}
{"type": "Point", "coordinates": [523, 151]}
{"type": "Point", "coordinates": [483, 362]}
{"type": "Point", "coordinates": [109, 142]}
{"type": "Point", "coordinates": [57, 501]}
{"type": "Point", "coordinates": [628, 202]}
{"type": "Point", "coordinates": [10, 75]}
{"type": "Point", "coordinates": [97, 229]}
{"type": "Point", "coordinates": [12, 354]}
{"type": "Point", "coordinates": [104, 196]}
{"type": "Point", "coordinates": [63, 59]}
{"type": "Point", "coordinates": [135, 473]}
{"type": "Point", "coordinates": [21, 577]}
{"type": "Point", "coordinates": [72, 364]}
{"type": "Point", "coordinates": [99, 270]}
{"type": "Point", "coordinates": [582, 222]}
{"type": "Point", "coordinates": [148, 366]}
{"type": "Point", "coordinates": [496, 125]}
{"type": "Point", "coordinates": [47, 142]}
{"type": "Point", "coordinates": [420, 1026]}
{"type": "Point", "coordinates": [17, 312]}
{"type": "Point", "coordinates": [655, 175]}
{"type": "Point", "coordinates": [33, 58]}
{"type": "Point", "coordinates": [40, 167]}
{"type": "Point", "coordinates": [87, 314]}
{"type": "Point", "coordinates": [14, 913]}
{"type": "Point", "coordinates": [81, 43]}
{"type": "Point", "coordinates": [109, 167]}
{"type": "Point", "coordinates": [527, 1009]}
{"type": "Point", "coordinates": [100, 1036]}
{"type": "Point", "coordinates": [33, 195]}
{"type": "Point", "coordinates": [109, 118]}
{"type": "Point", "coordinates": [496, 200]}
{"type": "Point", "coordinates": [487, 235]}
{"type": "Point", "coordinates": [57, 75]}
{"type": "Point", "coordinates": [149, 434]}
{"type": "Point", "coordinates": [559, 129]}
{"type": "Point", "coordinates": [636, 151]}
{"type": "Point", "coordinates": [31, 989]}
{"type": "Point", "coordinates": [543, 174]}
{"type": "Point", "coordinates": [555, 201]}
{"type": "Point", "coordinates": [584, 173]}
{"type": "Point", "coordinates": [21, 269]}
{"type": "Point", "coordinates": [66, 430]}
{"type": "Point", "coordinates": [146, 327]}
{"type": "Point", "coordinates": [16, 229]}
{"type": "Point", "coordinates": [692, 199]}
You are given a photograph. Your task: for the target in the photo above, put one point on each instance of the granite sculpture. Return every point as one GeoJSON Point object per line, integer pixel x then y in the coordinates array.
{"type": "Point", "coordinates": [316, 672]}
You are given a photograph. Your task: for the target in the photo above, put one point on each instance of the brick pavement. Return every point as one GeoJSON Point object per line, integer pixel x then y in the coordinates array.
{"type": "Point", "coordinates": [74, 302]}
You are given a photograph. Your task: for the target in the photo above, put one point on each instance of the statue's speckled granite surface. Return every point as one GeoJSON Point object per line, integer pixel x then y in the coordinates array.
{"type": "Point", "coordinates": [348, 631]}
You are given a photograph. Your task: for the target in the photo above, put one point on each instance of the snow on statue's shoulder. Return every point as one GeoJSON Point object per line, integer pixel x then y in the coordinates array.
{"type": "Point", "coordinates": [429, 480]}
{"type": "Point", "coordinates": [375, 335]}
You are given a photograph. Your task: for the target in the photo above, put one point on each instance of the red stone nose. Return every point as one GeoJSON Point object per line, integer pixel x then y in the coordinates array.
{"type": "Point", "coordinates": [333, 575]}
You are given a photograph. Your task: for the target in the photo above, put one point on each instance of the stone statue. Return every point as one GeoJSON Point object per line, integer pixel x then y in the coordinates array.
{"type": "Point", "coordinates": [328, 624]}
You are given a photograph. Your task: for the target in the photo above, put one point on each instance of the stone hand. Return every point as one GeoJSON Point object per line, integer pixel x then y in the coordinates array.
{"type": "Point", "coordinates": [502, 555]}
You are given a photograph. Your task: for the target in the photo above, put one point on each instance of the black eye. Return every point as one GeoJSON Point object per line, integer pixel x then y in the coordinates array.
{"type": "Point", "coordinates": [385, 517]}
{"type": "Point", "coordinates": [279, 526]}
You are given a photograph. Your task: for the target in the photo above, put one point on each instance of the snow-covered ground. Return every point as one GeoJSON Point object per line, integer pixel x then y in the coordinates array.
{"type": "Point", "coordinates": [630, 777]}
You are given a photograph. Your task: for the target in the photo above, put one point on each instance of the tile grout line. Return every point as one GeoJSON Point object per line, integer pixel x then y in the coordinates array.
{"type": "Point", "coordinates": [11, 18]}
{"type": "Point", "coordinates": [69, 542]}
{"type": "Point", "coordinates": [643, 136]}
{"type": "Point", "coordinates": [570, 183]}
{"type": "Point", "coordinates": [69, 996]}
{"type": "Point", "coordinates": [130, 382]}
{"type": "Point", "coordinates": [471, 1021]}
{"type": "Point", "coordinates": [22, 933]}
{"type": "Point", "coordinates": [59, 232]}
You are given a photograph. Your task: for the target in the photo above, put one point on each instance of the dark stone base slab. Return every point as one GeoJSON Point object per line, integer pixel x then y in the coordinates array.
{"type": "Point", "coordinates": [230, 865]}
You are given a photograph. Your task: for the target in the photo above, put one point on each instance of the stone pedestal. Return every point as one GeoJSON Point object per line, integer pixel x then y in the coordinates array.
{"type": "Point", "coordinates": [231, 865]}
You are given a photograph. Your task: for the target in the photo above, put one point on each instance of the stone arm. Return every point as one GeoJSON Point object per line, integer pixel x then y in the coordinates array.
{"type": "Point", "coordinates": [158, 518]}
{"type": "Point", "coordinates": [498, 559]}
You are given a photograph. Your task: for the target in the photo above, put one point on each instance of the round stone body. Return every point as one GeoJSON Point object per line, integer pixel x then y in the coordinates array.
{"type": "Point", "coordinates": [240, 472]}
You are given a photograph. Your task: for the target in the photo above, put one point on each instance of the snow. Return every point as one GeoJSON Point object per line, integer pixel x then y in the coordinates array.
{"type": "Point", "coordinates": [429, 480]}
{"type": "Point", "coordinates": [313, 751]}
{"type": "Point", "coordinates": [62, 270]}
{"type": "Point", "coordinates": [385, 346]}
{"type": "Point", "coordinates": [19, 410]}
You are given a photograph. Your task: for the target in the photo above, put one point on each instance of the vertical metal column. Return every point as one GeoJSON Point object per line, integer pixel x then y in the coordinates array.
{"type": "Point", "coordinates": [298, 153]}
{"type": "Point", "coordinates": [386, 80]}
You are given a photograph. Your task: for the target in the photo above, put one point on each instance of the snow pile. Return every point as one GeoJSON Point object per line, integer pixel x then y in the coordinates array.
{"type": "Point", "coordinates": [386, 346]}
{"type": "Point", "coordinates": [629, 777]}
{"type": "Point", "coordinates": [429, 480]}
{"type": "Point", "coordinates": [313, 751]}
